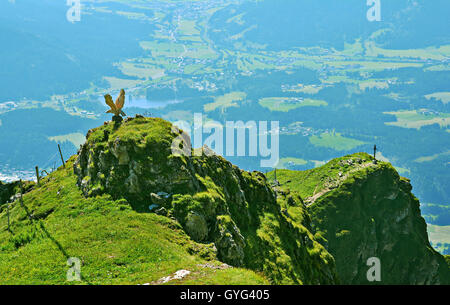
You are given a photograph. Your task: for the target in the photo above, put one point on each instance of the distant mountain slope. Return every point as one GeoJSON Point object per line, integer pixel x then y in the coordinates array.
{"type": "Point", "coordinates": [45, 54]}
{"type": "Point", "coordinates": [330, 23]}
{"type": "Point", "coordinates": [25, 132]}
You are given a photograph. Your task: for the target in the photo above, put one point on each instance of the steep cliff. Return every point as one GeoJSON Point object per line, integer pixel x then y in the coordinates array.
{"type": "Point", "coordinates": [362, 209]}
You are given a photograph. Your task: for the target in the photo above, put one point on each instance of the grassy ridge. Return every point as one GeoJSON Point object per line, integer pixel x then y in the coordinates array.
{"type": "Point", "coordinates": [115, 244]}
{"type": "Point", "coordinates": [360, 209]}
{"type": "Point", "coordinates": [309, 182]}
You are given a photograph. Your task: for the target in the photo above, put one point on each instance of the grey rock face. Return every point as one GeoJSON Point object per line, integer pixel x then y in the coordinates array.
{"type": "Point", "coordinates": [127, 169]}
{"type": "Point", "coordinates": [229, 242]}
{"type": "Point", "coordinates": [196, 226]}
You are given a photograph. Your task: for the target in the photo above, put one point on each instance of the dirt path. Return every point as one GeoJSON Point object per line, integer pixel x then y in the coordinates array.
{"type": "Point", "coordinates": [310, 200]}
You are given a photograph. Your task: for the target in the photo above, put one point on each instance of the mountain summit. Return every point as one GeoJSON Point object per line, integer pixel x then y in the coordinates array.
{"type": "Point", "coordinates": [361, 209]}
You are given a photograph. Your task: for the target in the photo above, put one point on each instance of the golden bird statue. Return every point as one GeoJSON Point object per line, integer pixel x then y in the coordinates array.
{"type": "Point", "coordinates": [116, 108]}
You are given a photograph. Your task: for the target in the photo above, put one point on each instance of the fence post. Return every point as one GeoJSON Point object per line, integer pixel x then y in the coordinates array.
{"type": "Point", "coordinates": [37, 176]}
{"type": "Point", "coordinates": [62, 159]}
{"type": "Point", "coordinates": [21, 198]}
{"type": "Point", "coordinates": [7, 209]}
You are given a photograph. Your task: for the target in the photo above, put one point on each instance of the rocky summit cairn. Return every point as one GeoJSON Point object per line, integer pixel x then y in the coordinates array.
{"type": "Point", "coordinates": [116, 108]}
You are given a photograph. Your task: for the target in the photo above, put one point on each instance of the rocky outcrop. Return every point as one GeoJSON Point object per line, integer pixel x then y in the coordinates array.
{"type": "Point", "coordinates": [372, 213]}
{"type": "Point", "coordinates": [212, 199]}
{"type": "Point", "coordinates": [9, 192]}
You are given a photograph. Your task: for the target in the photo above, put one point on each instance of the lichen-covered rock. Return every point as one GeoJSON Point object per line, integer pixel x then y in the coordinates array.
{"type": "Point", "coordinates": [229, 241]}
{"type": "Point", "coordinates": [133, 161]}
{"type": "Point", "coordinates": [196, 226]}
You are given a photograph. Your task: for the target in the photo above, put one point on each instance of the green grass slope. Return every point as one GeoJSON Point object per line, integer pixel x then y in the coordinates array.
{"type": "Point", "coordinates": [115, 244]}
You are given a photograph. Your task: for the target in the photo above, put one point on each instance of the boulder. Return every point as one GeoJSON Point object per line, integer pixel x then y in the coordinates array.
{"type": "Point", "coordinates": [196, 226]}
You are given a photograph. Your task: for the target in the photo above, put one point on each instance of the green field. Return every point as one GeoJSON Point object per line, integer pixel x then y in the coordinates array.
{"type": "Point", "coordinates": [285, 104]}
{"type": "Point", "coordinates": [432, 157]}
{"type": "Point", "coordinates": [285, 163]}
{"type": "Point", "coordinates": [76, 138]}
{"type": "Point", "coordinates": [166, 49]}
{"type": "Point", "coordinates": [419, 118]}
{"type": "Point", "coordinates": [439, 236]}
{"type": "Point", "coordinates": [335, 141]}
{"type": "Point", "coordinates": [444, 97]}
{"type": "Point", "coordinates": [116, 83]}
{"type": "Point", "coordinates": [308, 89]}
{"type": "Point", "coordinates": [225, 101]}
{"type": "Point", "coordinates": [141, 70]}
{"type": "Point", "coordinates": [188, 27]}
{"type": "Point", "coordinates": [433, 53]}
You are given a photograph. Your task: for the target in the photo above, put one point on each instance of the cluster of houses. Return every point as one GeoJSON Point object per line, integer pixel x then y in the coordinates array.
{"type": "Point", "coordinates": [298, 128]}
{"type": "Point", "coordinates": [7, 106]}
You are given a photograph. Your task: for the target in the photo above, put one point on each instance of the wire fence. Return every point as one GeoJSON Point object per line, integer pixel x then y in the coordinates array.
{"type": "Point", "coordinates": [52, 161]}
